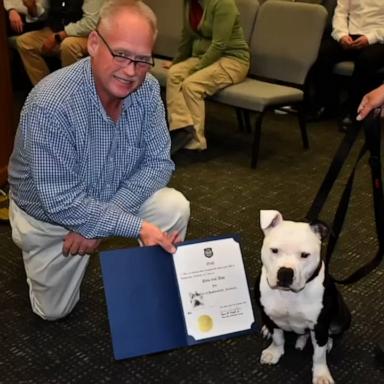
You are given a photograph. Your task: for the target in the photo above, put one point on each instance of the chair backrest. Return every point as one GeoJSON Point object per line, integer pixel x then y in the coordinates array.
{"type": "Point", "coordinates": [286, 39]}
{"type": "Point", "coordinates": [248, 11]}
{"type": "Point", "coordinates": [170, 21]}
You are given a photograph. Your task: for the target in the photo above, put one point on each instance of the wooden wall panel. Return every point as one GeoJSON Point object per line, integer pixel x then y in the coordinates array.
{"type": "Point", "coordinates": [7, 117]}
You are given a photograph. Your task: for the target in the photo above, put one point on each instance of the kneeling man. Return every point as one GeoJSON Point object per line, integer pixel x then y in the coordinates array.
{"type": "Point", "coordinates": [91, 160]}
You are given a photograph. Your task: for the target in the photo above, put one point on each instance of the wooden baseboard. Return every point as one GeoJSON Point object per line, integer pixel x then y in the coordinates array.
{"type": "Point", "coordinates": [3, 175]}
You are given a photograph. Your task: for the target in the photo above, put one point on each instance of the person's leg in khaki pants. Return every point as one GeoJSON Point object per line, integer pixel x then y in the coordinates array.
{"type": "Point", "coordinates": [179, 115]}
{"type": "Point", "coordinates": [29, 47]}
{"type": "Point", "coordinates": [73, 49]}
{"type": "Point", "coordinates": [186, 94]}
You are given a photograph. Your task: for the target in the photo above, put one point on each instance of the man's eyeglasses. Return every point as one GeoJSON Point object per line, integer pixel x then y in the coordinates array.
{"type": "Point", "coordinates": [124, 60]}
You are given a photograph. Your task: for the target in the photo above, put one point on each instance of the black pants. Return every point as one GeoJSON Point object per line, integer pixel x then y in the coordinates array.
{"type": "Point", "coordinates": [364, 78]}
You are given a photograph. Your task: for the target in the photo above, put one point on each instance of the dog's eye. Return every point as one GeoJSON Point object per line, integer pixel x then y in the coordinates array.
{"type": "Point", "coordinates": [304, 255]}
{"type": "Point", "coordinates": [274, 250]}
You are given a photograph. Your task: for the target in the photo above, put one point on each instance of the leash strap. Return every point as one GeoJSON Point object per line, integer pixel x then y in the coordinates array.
{"type": "Point", "coordinates": [341, 211]}
{"type": "Point", "coordinates": [333, 171]}
{"type": "Point", "coordinates": [372, 143]}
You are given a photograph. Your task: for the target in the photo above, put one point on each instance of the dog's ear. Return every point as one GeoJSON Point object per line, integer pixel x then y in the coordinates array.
{"type": "Point", "coordinates": [320, 228]}
{"type": "Point", "coordinates": [269, 219]}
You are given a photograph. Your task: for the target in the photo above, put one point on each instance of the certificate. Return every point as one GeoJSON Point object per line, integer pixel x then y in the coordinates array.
{"type": "Point", "coordinates": [213, 288]}
{"type": "Point", "coordinates": [157, 301]}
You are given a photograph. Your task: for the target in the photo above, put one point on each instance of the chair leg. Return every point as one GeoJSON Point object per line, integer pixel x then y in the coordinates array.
{"type": "Point", "coordinates": [256, 140]}
{"type": "Point", "coordinates": [247, 121]}
{"type": "Point", "coordinates": [303, 126]}
{"type": "Point", "coordinates": [240, 118]}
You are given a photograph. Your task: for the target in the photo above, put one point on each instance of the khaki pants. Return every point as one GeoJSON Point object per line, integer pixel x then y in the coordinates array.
{"type": "Point", "coordinates": [29, 47]}
{"type": "Point", "coordinates": [54, 279]}
{"type": "Point", "coordinates": [186, 93]}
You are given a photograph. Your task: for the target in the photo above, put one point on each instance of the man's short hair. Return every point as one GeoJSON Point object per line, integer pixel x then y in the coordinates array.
{"type": "Point", "coordinates": [111, 7]}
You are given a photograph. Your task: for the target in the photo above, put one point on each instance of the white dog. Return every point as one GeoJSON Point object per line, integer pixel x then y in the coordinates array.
{"type": "Point", "coordinates": [295, 292]}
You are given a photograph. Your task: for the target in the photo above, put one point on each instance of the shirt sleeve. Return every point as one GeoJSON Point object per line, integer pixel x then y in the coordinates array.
{"type": "Point", "coordinates": [42, 8]}
{"type": "Point", "coordinates": [87, 23]}
{"type": "Point", "coordinates": [9, 4]}
{"type": "Point", "coordinates": [17, 5]}
{"type": "Point", "coordinates": [62, 193]}
{"type": "Point", "coordinates": [225, 15]}
{"type": "Point", "coordinates": [22, 9]}
{"type": "Point", "coordinates": [340, 20]}
{"type": "Point", "coordinates": [184, 50]}
{"type": "Point", "coordinates": [156, 167]}
{"type": "Point", "coordinates": [376, 36]}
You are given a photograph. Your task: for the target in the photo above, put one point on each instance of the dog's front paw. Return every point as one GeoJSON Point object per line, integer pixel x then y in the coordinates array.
{"type": "Point", "coordinates": [322, 375]}
{"type": "Point", "coordinates": [272, 354]}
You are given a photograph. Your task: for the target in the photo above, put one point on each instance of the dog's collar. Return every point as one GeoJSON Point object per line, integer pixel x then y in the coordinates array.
{"type": "Point", "coordinates": [316, 271]}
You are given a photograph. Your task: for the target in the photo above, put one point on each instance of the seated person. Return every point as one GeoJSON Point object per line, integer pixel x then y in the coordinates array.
{"type": "Point", "coordinates": [65, 33]}
{"type": "Point", "coordinates": [313, 112]}
{"type": "Point", "coordinates": [212, 55]}
{"type": "Point", "coordinates": [358, 36]}
{"type": "Point", "coordinates": [91, 160]}
{"type": "Point", "coordinates": [24, 15]}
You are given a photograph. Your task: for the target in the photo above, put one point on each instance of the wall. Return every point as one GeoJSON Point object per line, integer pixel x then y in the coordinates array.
{"type": "Point", "coordinates": [7, 123]}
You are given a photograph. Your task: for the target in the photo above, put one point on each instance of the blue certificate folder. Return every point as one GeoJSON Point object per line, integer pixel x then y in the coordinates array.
{"type": "Point", "coordinates": [144, 307]}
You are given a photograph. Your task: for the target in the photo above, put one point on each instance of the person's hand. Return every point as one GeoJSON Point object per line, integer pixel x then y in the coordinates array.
{"type": "Point", "coordinates": [16, 21]}
{"type": "Point", "coordinates": [152, 235]}
{"type": "Point", "coordinates": [49, 45]}
{"type": "Point", "coordinates": [75, 244]}
{"type": "Point", "coordinates": [360, 42]}
{"type": "Point", "coordinates": [167, 64]}
{"type": "Point", "coordinates": [346, 42]}
{"type": "Point", "coordinates": [31, 6]}
{"type": "Point", "coordinates": [370, 101]}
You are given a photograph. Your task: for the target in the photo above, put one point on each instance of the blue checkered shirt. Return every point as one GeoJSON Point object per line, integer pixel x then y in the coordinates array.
{"type": "Point", "coordinates": [73, 166]}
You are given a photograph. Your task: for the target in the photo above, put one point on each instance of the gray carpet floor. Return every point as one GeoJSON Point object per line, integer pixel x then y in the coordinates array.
{"type": "Point", "coordinates": [226, 196]}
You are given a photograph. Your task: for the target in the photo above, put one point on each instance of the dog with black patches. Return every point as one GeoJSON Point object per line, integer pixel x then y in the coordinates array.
{"type": "Point", "coordinates": [295, 292]}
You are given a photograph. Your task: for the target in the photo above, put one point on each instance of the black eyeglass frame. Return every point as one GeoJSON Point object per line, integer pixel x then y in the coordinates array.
{"type": "Point", "coordinates": [126, 60]}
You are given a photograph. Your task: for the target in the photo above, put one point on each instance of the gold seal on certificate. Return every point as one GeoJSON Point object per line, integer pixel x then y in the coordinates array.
{"type": "Point", "coordinates": [205, 323]}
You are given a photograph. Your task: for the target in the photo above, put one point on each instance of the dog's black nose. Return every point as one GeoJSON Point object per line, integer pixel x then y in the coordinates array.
{"type": "Point", "coordinates": [284, 277]}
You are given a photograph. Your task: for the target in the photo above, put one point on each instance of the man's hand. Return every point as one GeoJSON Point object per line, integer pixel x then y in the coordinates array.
{"type": "Point", "coordinates": [152, 235]}
{"type": "Point", "coordinates": [16, 21]}
{"type": "Point", "coordinates": [31, 6]}
{"type": "Point", "coordinates": [360, 43]}
{"type": "Point", "coordinates": [75, 244]}
{"type": "Point", "coordinates": [370, 101]}
{"type": "Point", "coordinates": [346, 42]}
{"type": "Point", "coordinates": [49, 45]}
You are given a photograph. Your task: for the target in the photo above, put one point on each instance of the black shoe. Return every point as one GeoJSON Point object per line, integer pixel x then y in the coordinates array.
{"type": "Point", "coordinates": [345, 123]}
{"type": "Point", "coordinates": [181, 137]}
{"type": "Point", "coordinates": [321, 113]}
{"type": "Point", "coordinates": [195, 155]}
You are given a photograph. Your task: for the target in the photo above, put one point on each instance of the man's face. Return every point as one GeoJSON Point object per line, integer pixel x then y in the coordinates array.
{"type": "Point", "coordinates": [126, 35]}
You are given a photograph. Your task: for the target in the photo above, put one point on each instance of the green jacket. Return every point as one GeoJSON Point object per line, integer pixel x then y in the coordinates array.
{"type": "Point", "coordinates": [219, 34]}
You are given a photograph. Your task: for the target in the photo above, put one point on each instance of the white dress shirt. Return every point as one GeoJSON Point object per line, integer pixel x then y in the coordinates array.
{"type": "Point", "coordinates": [17, 5]}
{"type": "Point", "coordinates": [359, 17]}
